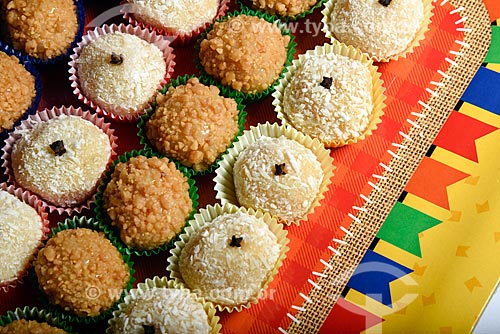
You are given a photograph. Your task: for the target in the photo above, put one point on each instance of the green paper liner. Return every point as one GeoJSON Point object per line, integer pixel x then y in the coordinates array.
{"type": "Point", "coordinates": [179, 81]}
{"type": "Point", "coordinates": [164, 282]}
{"type": "Point", "coordinates": [57, 311]}
{"type": "Point", "coordinates": [246, 4]}
{"type": "Point", "coordinates": [33, 313]}
{"type": "Point", "coordinates": [206, 216]}
{"type": "Point", "coordinates": [419, 35]}
{"type": "Point", "coordinates": [378, 90]}
{"type": "Point", "coordinates": [114, 234]}
{"type": "Point", "coordinates": [228, 91]}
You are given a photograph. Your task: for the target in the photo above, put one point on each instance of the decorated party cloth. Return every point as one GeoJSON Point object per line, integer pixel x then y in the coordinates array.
{"type": "Point", "coordinates": [398, 237]}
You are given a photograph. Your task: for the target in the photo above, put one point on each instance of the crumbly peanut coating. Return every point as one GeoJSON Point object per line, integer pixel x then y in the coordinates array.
{"type": "Point", "coordinates": [24, 326]}
{"type": "Point", "coordinates": [148, 200]}
{"type": "Point", "coordinates": [284, 7]}
{"type": "Point", "coordinates": [193, 124]}
{"type": "Point", "coordinates": [43, 29]}
{"type": "Point", "coordinates": [17, 90]}
{"type": "Point", "coordinates": [81, 271]}
{"type": "Point", "coordinates": [245, 52]}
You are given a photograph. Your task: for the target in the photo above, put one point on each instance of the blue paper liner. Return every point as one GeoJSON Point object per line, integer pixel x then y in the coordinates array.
{"type": "Point", "coordinates": [32, 109]}
{"type": "Point", "coordinates": [80, 16]}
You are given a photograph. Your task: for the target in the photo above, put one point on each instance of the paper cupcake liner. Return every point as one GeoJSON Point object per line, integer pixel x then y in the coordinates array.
{"type": "Point", "coordinates": [224, 183]}
{"type": "Point", "coordinates": [36, 314]}
{"type": "Point", "coordinates": [80, 14]}
{"type": "Point", "coordinates": [242, 115]}
{"type": "Point", "coordinates": [227, 91]}
{"type": "Point", "coordinates": [103, 218]}
{"type": "Point", "coordinates": [352, 53]}
{"type": "Point", "coordinates": [59, 312]}
{"type": "Point", "coordinates": [419, 36]}
{"type": "Point", "coordinates": [40, 208]}
{"type": "Point", "coordinates": [205, 217]}
{"type": "Point", "coordinates": [38, 87]}
{"type": "Point", "coordinates": [44, 116]}
{"type": "Point", "coordinates": [179, 39]}
{"type": "Point", "coordinates": [164, 282]}
{"type": "Point", "coordinates": [248, 4]}
{"type": "Point", "coordinates": [116, 113]}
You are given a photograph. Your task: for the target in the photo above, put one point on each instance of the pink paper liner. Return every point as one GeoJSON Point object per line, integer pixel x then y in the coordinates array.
{"type": "Point", "coordinates": [40, 207]}
{"type": "Point", "coordinates": [179, 39]}
{"type": "Point", "coordinates": [43, 116]}
{"type": "Point", "coordinates": [149, 36]}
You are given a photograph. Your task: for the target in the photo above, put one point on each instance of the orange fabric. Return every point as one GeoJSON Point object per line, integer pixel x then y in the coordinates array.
{"type": "Point", "coordinates": [437, 174]}
{"type": "Point", "coordinates": [493, 7]}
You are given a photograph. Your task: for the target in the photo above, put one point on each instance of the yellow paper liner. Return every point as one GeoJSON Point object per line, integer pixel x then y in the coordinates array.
{"type": "Point", "coordinates": [151, 37]}
{"type": "Point", "coordinates": [419, 36]}
{"type": "Point", "coordinates": [204, 217]}
{"type": "Point", "coordinates": [352, 53]}
{"type": "Point", "coordinates": [224, 184]}
{"type": "Point", "coordinates": [164, 282]}
{"type": "Point", "coordinates": [43, 116]}
{"type": "Point", "coordinates": [40, 208]}
{"type": "Point", "coordinates": [178, 39]}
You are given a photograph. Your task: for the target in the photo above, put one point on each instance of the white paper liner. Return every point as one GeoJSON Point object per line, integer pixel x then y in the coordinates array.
{"type": "Point", "coordinates": [204, 217]}
{"type": "Point", "coordinates": [352, 53]}
{"type": "Point", "coordinates": [43, 116]}
{"type": "Point", "coordinates": [162, 42]}
{"type": "Point", "coordinates": [40, 207]}
{"type": "Point", "coordinates": [164, 282]}
{"type": "Point", "coordinates": [224, 184]}
{"type": "Point", "coordinates": [419, 36]}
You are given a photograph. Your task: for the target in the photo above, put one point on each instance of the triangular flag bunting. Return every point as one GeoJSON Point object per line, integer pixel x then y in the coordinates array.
{"type": "Point", "coordinates": [469, 129]}
{"type": "Point", "coordinates": [373, 275]}
{"type": "Point", "coordinates": [437, 174]}
{"type": "Point", "coordinates": [402, 226]}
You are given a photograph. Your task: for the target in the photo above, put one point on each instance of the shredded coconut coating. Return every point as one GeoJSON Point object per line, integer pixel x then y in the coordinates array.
{"type": "Point", "coordinates": [81, 271]}
{"type": "Point", "coordinates": [245, 52]}
{"type": "Point", "coordinates": [284, 7]}
{"type": "Point", "coordinates": [17, 90]}
{"type": "Point", "coordinates": [193, 124]}
{"type": "Point", "coordinates": [224, 274]}
{"type": "Point", "coordinates": [167, 310]}
{"type": "Point", "coordinates": [20, 234]}
{"type": "Point", "coordinates": [124, 88]}
{"type": "Point", "coordinates": [341, 112]}
{"type": "Point", "coordinates": [175, 16]}
{"type": "Point", "coordinates": [377, 30]}
{"type": "Point", "coordinates": [287, 196]}
{"type": "Point", "coordinates": [24, 326]}
{"type": "Point", "coordinates": [148, 200]}
{"type": "Point", "coordinates": [68, 179]}
{"type": "Point", "coordinates": [43, 29]}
